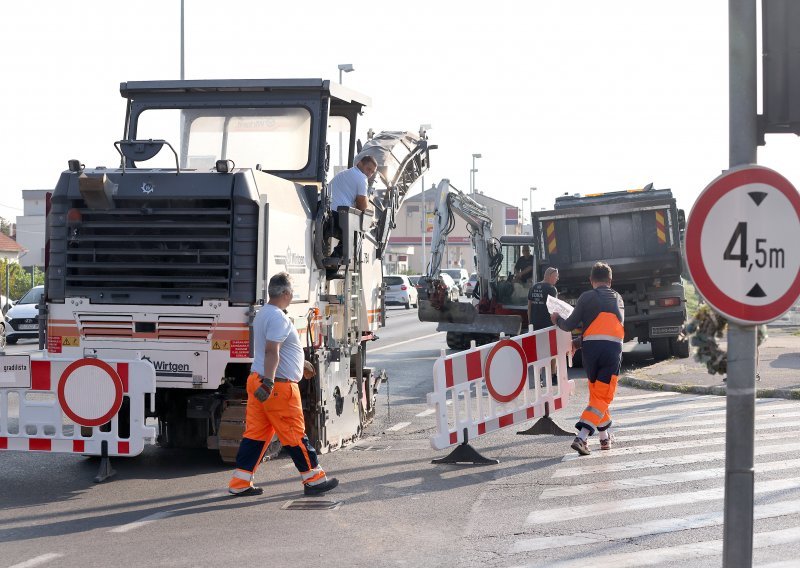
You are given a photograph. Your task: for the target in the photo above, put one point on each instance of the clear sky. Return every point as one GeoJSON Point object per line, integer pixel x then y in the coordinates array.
{"type": "Point", "coordinates": [562, 95]}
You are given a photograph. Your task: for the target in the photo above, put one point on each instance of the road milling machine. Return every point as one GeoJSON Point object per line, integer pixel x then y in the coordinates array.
{"type": "Point", "coordinates": [166, 257]}
{"type": "Point", "coordinates": [499, 304]}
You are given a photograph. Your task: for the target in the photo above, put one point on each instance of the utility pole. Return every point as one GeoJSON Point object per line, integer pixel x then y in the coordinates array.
{"type": "Point", "coordinates": [737, 547]}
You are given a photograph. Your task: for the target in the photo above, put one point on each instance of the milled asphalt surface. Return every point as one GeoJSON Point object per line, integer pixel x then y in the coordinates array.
{"type": "Point", "coordinates": [778, 367]}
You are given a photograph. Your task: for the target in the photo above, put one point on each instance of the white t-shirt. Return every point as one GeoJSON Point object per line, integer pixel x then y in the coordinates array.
{"type": "Point", "coordinates": [271, 324]}
{"type": "Point", "coordinates": [346, 186]}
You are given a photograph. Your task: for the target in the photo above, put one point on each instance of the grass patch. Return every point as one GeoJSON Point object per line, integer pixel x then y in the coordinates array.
{"type": "Point", "coordinates": [797, 333]}
{"type": "Point", "coordinates": [692, 298]}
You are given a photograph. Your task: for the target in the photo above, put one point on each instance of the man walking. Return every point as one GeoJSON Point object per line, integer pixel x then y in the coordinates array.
{"type": "Point", "coordinates": [273, 398]}
{"type": "Point", "coordinates": [601, 312]}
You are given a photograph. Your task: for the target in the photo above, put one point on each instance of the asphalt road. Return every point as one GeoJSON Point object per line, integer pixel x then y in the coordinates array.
{"type": "Point", "coordinates": [654, 499]}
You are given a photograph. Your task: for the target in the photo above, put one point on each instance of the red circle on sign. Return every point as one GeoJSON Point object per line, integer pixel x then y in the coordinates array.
{"type": "Point", "coordinates": [522, 380]}
{"type": "Point", "coordinates": [718, 188]}
{"type": "Point", "coordinates": [112, 374]}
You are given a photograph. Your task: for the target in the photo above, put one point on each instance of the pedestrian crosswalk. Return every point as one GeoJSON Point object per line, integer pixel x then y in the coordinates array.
{"type": "Point", "coordinates": [656, 498]}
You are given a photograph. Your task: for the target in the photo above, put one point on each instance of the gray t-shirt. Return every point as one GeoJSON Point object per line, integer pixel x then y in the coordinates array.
{"type": "Point", "coordinates": [271, 324]}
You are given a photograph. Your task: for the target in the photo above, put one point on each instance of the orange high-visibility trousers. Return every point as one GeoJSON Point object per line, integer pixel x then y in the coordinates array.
{"type": "Point", "coordinates": [601, 359]}
{"type": "Point", "coordinates": [281, 414]}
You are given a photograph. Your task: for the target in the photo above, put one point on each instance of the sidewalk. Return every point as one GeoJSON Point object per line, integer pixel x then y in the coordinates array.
{"type": "Point", "coordinates": [779, 367]}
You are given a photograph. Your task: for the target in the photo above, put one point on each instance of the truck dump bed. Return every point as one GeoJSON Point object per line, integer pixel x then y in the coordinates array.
{"type": "Point", "coordinates": [636, 232]}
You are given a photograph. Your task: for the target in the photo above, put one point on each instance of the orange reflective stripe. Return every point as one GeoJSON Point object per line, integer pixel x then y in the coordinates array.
{"type": "Point", "coordinates": [605, 323]}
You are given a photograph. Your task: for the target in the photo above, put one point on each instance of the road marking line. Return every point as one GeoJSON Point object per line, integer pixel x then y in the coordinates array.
{"type": "Point", "coordinates": [645, 396]}
{"type": "Point", "coordinates": [656, 527]}
{"type": "Point", "coordinates": [573, 471]}
{"type": "Point", "coordinates": [559, 514]}
{"type": "Point", "coordinates": [655, 556]}
{"type": "Point", "coordinates": [656, 480]}
{"type": "Point", "coordinates": [677, 433]}
{"type": "Point", "coordinates": [398, 426]}
{"type": "Point", "coordinates": [685, 399]}
{"type": "Point", "coordinates": [425, 412]}
{"type": "Point", "coordinates": [38, 561]}
{"type": "Point", "coordinates": [142, 522]}
{"type": "Point", "coordinates": [404, 342]}
{"type": "Point", "coordinates": [650, 448]}
{"type": "Point", "coordinates": [650, 415]}
{"type": "Point", "coordinates": [694, 423]}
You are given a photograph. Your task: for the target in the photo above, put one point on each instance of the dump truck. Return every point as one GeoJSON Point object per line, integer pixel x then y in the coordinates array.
{"type": "Point", "coordinates": [157, 266]}
{"type": "Point", "coordinates": [638, 233]}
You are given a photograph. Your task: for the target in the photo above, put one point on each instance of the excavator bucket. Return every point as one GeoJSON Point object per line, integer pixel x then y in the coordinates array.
{"type": "Point", "coordinates": [449, 312]}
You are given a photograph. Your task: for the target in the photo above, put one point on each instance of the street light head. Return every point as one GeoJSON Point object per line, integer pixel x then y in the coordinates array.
{"type": "Point", "coordinates": [346, 67]}
{"type": "Point", "coordinates": [476, 156]}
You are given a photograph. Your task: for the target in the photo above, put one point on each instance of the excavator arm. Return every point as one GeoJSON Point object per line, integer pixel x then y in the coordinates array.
{"type": "Point", "coordinates": [403, 158]}
{"type": "Point", "coordinates": [449, 203]}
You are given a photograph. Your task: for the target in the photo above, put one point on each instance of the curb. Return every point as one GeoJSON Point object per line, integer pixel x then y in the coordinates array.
{"type": "Point", "coordinates": [718, 390]}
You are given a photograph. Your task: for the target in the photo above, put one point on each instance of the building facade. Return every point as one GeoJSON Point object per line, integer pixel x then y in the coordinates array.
{"type": "Point", "coordinates": [415, 218]}
{"type": "Point", "coordinates": [31, 225]}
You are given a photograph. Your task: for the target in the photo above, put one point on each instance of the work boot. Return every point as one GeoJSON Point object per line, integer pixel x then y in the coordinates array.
{"type": "Point", "coordinates": [580, 446]}
{"type": "Point", "coordinates": [606, 444]}
{"type": "Point", "coordinates": [321, 488]}
{"type": "Point", "coordinates": [250, 491]}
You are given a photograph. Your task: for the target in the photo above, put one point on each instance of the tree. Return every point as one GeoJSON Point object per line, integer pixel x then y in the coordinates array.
{"type": "Point", "coordinates": [19, 278]}
{"type": "Point", "coordinates": [5, 226]}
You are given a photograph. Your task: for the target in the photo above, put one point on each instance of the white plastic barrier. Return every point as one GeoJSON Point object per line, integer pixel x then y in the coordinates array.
{"type": "Point", "coordinates": [497, 385]}
{"type": "Point", "coordinates": [61, 405]}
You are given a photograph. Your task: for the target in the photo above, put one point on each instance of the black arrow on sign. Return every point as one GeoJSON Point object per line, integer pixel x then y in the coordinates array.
{"type": "Point", "coordinates": [756, 292]}
{"type": "Point", "coordinates": [758, 197]}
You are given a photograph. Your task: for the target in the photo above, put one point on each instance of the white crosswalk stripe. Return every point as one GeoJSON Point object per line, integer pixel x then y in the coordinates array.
{"type": "Point", "coordinates": [671, 460]}
{"type": "Point", "coordinates": [676, 498]}
{"type": "Point", "coordinates": [656, 556]}
{"type": "Point", "coordinates": [651, 448]}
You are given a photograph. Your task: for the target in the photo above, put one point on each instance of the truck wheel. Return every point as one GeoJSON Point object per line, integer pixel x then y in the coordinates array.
{"type": "Point", "coordinates": [660, 347]}
{"type": "Point", "coordinates": [679, 347]}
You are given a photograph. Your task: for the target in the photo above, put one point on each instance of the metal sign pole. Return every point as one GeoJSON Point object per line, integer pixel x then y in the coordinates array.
{"type": "Point", "coordinates": [737, 548]}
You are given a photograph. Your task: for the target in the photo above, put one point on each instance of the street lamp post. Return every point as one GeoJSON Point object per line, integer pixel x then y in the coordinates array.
{"type": "Point", "coordinates": [346, 68]}
{"type": "Point", "coordinates": [522, 214]}
{"type": "Point", "coordinates": [472, 173]}
{"type": "Point", "coordinates": [423, 134]}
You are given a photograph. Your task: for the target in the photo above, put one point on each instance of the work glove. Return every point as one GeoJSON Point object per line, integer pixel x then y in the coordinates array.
{"type": "Point", "coordinates": [264, 389]}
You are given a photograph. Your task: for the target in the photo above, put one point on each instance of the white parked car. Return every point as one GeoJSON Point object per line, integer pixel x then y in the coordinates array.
{"type": "Point", "coordinates": [22, 320]}
{"type": "Point", "coordinates": [472, 283]}
{"type": "Point", "coordinates": [399, 290]}
{"type": "Point", "coordinates": [453, 290]}
{"type": "Point", "coordinates": [459, 275]}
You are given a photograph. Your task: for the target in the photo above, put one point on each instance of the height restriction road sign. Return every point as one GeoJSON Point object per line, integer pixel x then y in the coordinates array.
{"type": "Point", "coordinates": [743, 244]}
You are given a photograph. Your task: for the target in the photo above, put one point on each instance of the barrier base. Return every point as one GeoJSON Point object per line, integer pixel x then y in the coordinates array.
{"type": "Point", "coordinates": [545, 425]}
{"type": "Point", "coordinates": [105, 471]}
{"type": "Point", "coordinates": [464, 453]}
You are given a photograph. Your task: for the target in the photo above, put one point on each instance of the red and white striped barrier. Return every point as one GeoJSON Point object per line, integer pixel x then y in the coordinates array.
{"type": "Point", "coordinates": [69, 406]}
{"type": "Point", "coordinates": [497, 385]}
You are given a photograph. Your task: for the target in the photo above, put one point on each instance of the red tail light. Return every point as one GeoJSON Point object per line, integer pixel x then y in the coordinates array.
{"type": "Point", "coordinates": [403, 287]}
{"type": "Point", "coordinates": [669, 302]}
